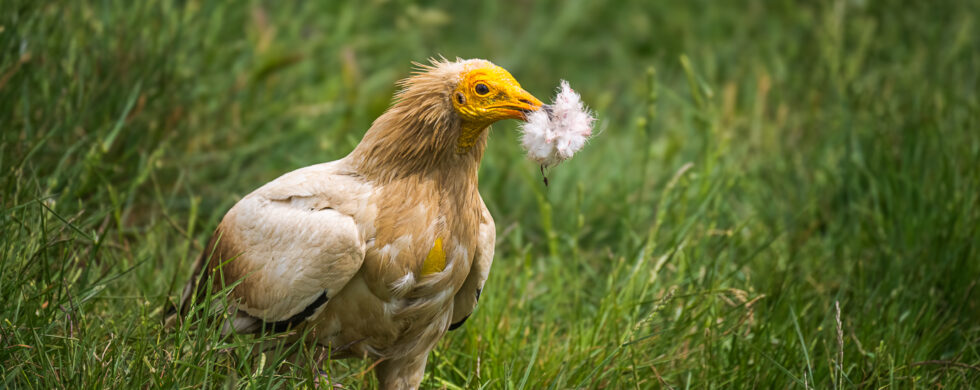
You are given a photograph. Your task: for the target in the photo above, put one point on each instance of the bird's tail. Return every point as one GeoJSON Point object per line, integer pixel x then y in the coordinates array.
{"type": "Point", "coordinates": [175, 312]}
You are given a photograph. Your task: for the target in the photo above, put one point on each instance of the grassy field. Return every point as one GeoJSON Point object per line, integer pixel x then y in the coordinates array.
{"type": "Point", "coordinates": [783, 194]}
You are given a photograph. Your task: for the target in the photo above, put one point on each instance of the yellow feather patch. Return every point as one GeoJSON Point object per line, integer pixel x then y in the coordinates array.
{"type": "Point", "coordinates": [436, 260]}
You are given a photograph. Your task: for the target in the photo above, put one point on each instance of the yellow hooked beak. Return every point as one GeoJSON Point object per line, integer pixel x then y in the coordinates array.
{"type": "Point", "coordinates": [486, 94]}
{"type": "Point", "coordinates": [518, 104]}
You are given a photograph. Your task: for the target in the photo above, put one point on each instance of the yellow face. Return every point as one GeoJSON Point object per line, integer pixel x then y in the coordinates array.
{"type": "Point", "coordinates": [487, 94]}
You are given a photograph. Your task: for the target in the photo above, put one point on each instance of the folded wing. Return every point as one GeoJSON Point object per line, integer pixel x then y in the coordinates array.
{"type": "Point", "coordinates": [288, 245]}
{"type": "Point", "coordinates": [469, 294]}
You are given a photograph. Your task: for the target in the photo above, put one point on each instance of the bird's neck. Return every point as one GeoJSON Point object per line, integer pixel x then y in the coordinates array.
{"type": "Point", "coordinates": [403, 143]}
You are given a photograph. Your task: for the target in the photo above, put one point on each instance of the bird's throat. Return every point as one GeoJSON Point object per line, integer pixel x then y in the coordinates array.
{"type": "Point", "coordinates": [469, 133]}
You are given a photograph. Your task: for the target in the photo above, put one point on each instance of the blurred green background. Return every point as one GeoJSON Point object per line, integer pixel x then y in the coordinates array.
{"type": "Point", "coordinates": [781, 194]}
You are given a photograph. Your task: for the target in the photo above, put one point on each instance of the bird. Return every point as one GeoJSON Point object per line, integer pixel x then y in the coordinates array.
{"type": "Point", "coordinates": [380, 253]}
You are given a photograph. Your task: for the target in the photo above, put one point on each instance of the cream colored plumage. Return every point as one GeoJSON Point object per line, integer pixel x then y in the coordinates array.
{"type": "Point", "coordinates": [381, 252]}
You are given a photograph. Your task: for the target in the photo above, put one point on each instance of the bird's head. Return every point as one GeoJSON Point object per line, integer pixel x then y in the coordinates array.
{"type": "Point", "coordinates": [440, 117]}
{"type": "Point", "coordinates": [486, 93]}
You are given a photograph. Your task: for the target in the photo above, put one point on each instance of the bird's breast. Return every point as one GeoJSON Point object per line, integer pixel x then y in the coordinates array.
{"type": "Point", "coordinates": [424, 239]}
{"type": "Point", "coordinates": [419, 262]}
{"type": "Point", "coordinates": [417, 258]}
{"type": "Point", "coordinates": [402, 299]}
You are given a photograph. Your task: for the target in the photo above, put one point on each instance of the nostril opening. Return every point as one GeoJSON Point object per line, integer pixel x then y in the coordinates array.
{"type": "Point", "coordinates": [525, 101]}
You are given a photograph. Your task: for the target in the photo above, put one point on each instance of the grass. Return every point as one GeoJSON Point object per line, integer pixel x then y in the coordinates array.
{"type": "Point", "coordinates": [783, 194]}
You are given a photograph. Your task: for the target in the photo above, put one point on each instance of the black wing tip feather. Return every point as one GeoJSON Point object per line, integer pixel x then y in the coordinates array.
{"type": "Point", "coordinates": [458, 324]}
{"type": "Point", "coordinates": [284, 325]}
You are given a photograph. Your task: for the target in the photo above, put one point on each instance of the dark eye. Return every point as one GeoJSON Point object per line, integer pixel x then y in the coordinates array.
{"type": "Point", "coordinates": [482, 89]}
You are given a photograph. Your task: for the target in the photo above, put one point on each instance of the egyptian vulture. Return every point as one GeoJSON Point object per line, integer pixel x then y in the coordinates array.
{"type": "Point", "coordinates": [382, 251]}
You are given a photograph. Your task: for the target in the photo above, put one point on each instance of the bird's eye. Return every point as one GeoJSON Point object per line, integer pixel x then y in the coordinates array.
{"type": "Point", "coordinates": [482, 89]}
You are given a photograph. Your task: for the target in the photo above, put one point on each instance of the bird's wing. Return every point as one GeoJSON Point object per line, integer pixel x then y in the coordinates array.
{"type": "Point", "coordinates": [466, 298]}
{"type": "Point", "coordinates": [290, 243]}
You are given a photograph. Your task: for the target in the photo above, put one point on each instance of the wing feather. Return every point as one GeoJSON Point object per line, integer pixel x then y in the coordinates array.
{"type": "Point", "coordinates": [287, 256]}
{"type": "Point", "coordinates": [290, 244]}
{"type": "Point", "coordinates": [469, 294]}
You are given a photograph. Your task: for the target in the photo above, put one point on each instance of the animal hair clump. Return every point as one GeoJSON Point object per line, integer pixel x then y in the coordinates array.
{"type": "Point", "coordinates": [559, 130]}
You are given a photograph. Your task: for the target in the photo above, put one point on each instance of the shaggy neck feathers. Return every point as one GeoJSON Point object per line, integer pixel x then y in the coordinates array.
{"type": "Point", "coordinates": [418, 134]}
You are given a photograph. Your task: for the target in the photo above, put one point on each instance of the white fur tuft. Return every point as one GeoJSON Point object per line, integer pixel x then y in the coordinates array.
{"type": "Point", "coordinates": [553, 135]}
